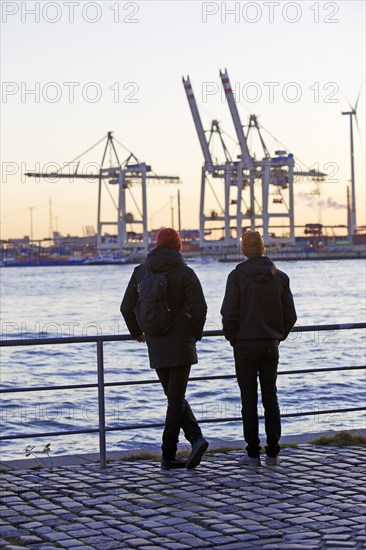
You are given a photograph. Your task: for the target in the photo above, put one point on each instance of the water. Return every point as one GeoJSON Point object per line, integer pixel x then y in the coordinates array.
{"type": "Point", "coordinates": [62, 301]}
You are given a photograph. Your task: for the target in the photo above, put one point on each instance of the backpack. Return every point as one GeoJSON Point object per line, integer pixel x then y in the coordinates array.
{"type": "Point", "coordinates": [153, 310]}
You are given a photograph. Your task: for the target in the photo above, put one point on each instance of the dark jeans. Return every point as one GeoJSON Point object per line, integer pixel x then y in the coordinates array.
{"type": "Point", "coordinates": [179, 414]}
{"type": "Point", "coordinates": [251, 362]}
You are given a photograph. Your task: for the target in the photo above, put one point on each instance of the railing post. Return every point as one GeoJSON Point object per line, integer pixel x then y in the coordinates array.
{"type": "Point", "coordinates": [101, 405]}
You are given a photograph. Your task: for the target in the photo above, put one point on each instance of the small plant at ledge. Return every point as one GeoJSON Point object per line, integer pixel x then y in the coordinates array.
{"type": "Point", "coordinates": [46, 450]}
{"type": "Point", "coordinates": [341, 439]}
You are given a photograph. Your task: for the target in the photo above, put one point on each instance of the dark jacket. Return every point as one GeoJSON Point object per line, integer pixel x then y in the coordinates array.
{"type": "Point", "coordinates": [258, 302]}
{"type": "Point", "coordinates": [178, 345]}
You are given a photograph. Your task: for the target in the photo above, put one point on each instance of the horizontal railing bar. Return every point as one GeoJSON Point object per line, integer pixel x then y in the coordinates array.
{"type": "Point", "coordinates": [124, 337]}
{"type": "Point", "coordinates": [48, 388]}
{"type": "Point", "coordinates": [161, 424]}
{"type": "Point", "coordinates": [325, 369]}
{"type": "Point", "coordinates": [50, 434]}
{"type": "Point", "coordinates": [65, 340]}
{"type": "Point", "coordinates": [153, 381]}
{"type": "Point", "coordinates": [236, 419]}
{"type": "Point", "coordinates": [340, 326]}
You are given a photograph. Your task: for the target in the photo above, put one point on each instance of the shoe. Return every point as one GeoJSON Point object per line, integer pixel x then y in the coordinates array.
{"type": "Point", "coordinates": [198, 448]}
{"type": "Point", "coordinates": [272, 460]}
{"type": "Point", "coordinates": [247, 460]}
{"type": "Point", "coordinates": [172, 464]}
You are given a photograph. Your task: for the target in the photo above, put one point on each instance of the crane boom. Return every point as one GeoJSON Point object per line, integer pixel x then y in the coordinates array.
{"type": "Point", "coordinates": [106, 175]}
{"type": "Point", "coordinates": [247, 159]}
{"type": "Point", "coordinates": [198, 124]}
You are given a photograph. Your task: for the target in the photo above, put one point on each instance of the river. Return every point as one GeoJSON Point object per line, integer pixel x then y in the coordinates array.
{"type": "Point", "coordinates": [63, 301]}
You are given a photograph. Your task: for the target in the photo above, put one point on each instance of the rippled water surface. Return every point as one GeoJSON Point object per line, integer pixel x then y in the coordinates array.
{"type": "Point", "coordinates": [62, 301]}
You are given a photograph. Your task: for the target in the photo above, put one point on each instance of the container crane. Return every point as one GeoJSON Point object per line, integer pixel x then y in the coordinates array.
{"type": "Point", "coordinates": [244, 173]}
{"type": "Point", "coordinates": [124, 175]}
{"type": "Point", "coordinates": [268, 170]}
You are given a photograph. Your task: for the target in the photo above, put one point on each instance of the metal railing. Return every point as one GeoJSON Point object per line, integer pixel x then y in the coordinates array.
{"type": "Point", "coordinates": [101, 384]}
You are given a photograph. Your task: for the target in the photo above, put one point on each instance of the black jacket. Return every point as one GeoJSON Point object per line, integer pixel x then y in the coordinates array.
{"type": "Point", "coordinates": [258, 302]}
{"type": "Point", "coordinates": [178, 345]}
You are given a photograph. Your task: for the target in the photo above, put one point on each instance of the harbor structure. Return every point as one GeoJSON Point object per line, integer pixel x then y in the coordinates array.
{"type": "Point", "coordinates": [126, 174]}
{"type": "Point", "coordinates": [241, 176]}
{"type": "Point", "coordinates": [246, 183]}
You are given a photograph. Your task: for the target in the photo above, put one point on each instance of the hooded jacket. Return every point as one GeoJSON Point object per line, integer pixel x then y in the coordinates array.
{"type": "Point", "coordinates": [258, 303]}
{"type": "Point", "coordinates": [177, 346]}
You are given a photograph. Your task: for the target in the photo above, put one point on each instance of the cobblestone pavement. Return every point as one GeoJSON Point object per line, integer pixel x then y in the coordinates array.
{"type": "Point", "coordinates": [313, 499]}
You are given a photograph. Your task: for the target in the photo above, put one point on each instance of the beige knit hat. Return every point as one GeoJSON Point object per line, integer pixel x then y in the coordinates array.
{"type": "Point", "coordinates": [252, 244]}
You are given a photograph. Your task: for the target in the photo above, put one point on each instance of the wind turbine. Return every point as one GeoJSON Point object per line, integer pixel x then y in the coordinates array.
{"type": "Point", "coordinates": [351, 113]}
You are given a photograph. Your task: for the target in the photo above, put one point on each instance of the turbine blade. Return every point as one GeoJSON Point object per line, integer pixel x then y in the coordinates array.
{"type": "Point", "coordinates": [356, 119]}
{"type": "Point", "coordinates": [348, 101]}
{"type": "Point", "coordinates": [359, 131]}
{"type": "Point", "coordinates": [358, 128]}
{"type": "Point", "coordinates": [358, 97]}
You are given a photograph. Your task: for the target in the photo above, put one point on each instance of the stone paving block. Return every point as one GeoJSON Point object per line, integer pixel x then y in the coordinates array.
{"type": "Point", "coordinates": [83, 532]}
{"type": "Point", "coordinates": [237, 546]}
{"type": "Point", "coordinates": [207, 535]}
{"type": "Point", "coordinates": [276, 524]}
{"type": "Point", "coordinates": [287, 546]}
{"type": "Point", "coordinates": [244, 537]}
{"type": "Point", "coordinates": [198, 543]}
{"type": "Point", "coordinates": [173, 521]}
{"type": "Point", "coordinates": [331, 536]}
{"type": "Point", "coordinates": [337, 544]}
{"type": "Point", "coordinates": [221, 539]}
{"type": "Point", "coordinates": [299, 520]}
{"type": "Point", "coordinates": [159, 540]}
{"type": "Point", "coordinates": [164, 530]}
{"type": "Point", "coordinates": [20, 520]}
{"type": "Point", "coordinates": [9, 531]}
{"type": "Point", "coordinates": [181, 514]}
{"type": "Point", "coordinates": [137, 542]}
{"type": "Point", "coordinates": [232, 531]}
{"type": "Point", "coordinates": [152, 524]}
{"type": "Point", "coordinates": [173, 546]}
{"type": "Point", "coordinates": [71, 543]}
{"type": "Point", "coordinates": [27, 540]}
{"type": "Point", "coordinates": [104, 543]}
{"type": "Point", "coordinates": [56, 536]}
{"type": "Point", "coordinates": [94, 524]}
{"type": "Point", "coordinates": [145, 513]}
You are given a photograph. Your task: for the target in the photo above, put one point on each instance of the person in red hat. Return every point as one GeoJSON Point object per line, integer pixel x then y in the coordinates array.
{"type": "Point", "coordinates": [258, 312]}
{"type": "Point", "coordinates": [164, 305]}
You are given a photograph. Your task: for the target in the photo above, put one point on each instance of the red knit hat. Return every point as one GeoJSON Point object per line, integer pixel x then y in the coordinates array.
{"type": "Point", "coordinates": [170, 238]}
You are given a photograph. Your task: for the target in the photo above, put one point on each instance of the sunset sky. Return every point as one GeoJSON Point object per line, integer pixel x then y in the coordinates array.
{"type": "Point", "coordinates": [72, 71]}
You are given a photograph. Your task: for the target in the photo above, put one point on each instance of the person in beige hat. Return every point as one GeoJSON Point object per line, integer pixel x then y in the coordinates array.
{"type": "Point", "coordinates": [258, 312]}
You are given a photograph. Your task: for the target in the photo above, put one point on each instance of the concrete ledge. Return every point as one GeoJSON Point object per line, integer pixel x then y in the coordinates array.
{"type": "Point", "coordinates": [112, 456]}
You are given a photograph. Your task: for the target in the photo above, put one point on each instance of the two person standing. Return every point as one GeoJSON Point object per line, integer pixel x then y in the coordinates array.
{"type": "Point", "coordinates": [258, 312]}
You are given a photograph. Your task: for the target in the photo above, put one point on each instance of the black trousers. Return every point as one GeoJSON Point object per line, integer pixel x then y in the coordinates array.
{"type": "Point", "coordinates": [179, 414]}
{"type": "Point", "coordinates": [252, 362]}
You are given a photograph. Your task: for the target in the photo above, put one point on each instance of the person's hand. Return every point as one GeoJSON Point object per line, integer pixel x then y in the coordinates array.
{"type": "Point", "coordinates": [141, 338]}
